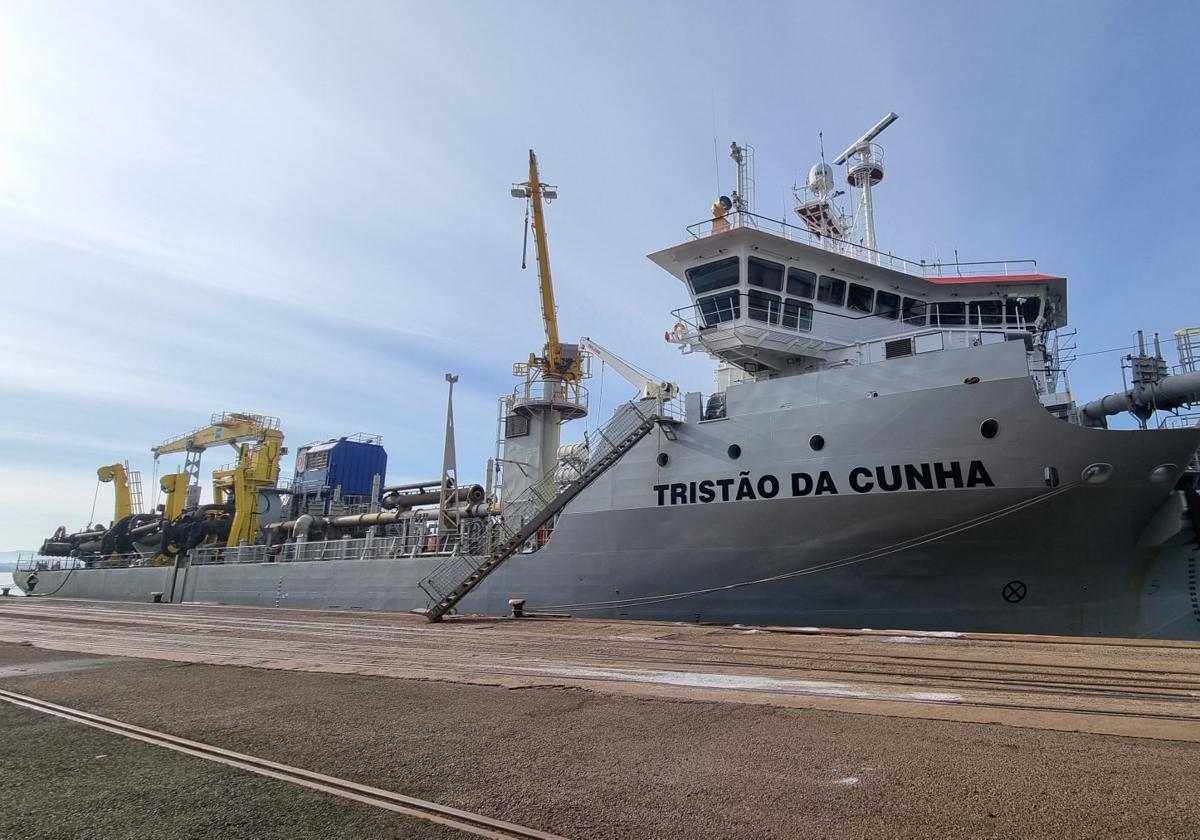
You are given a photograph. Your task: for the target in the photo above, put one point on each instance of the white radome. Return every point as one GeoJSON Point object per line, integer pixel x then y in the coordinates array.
{"type": "Point", "coordinates": [820, 178]}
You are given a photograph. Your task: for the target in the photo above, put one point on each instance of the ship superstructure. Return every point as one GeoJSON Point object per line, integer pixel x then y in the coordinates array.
{"type": "Point", "coordinates": [889, 443]}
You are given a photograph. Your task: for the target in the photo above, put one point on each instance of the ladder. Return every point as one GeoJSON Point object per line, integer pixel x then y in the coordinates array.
{"type": "Point", "coordinates": [530, 512]}
{"type": "Point", "coordinates": [134, 477]}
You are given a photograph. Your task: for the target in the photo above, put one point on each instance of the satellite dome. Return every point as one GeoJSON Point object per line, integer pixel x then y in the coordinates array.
{"type": "Point", "coordinates": [820, 178]}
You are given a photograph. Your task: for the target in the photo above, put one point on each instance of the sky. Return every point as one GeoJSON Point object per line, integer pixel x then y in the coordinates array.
{"type": "Point", "coordinates": [302, 209]}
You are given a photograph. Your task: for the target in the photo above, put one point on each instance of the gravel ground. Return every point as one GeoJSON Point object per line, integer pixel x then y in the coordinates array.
{"type": "Point", "coordinates": [577, 763]}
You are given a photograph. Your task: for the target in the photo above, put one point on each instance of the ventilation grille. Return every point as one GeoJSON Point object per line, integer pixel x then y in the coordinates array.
{"type": "Point", "coordinates": [898, 348]}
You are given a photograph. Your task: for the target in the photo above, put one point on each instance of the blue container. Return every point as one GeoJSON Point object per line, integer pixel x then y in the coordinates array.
{"type": "Point", "coordinates": [348, 463]}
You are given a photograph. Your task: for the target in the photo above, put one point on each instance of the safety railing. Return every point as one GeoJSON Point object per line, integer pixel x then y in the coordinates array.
{"type": "Point", "coordinates": [34, 562]}
{"type": "Point", "coordinates": [366, 548]}
{"type": "Point", "coordinates": [920, 268]}
{"type": "Point", "coordinates": [561, 395]}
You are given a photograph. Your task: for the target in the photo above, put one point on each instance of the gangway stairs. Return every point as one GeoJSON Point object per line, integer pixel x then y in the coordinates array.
{"type": "Point", "coordinates": [532, 511]}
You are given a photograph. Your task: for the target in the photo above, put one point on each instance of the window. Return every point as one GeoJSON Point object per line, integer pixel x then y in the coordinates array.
{"type": "Point", "coordinates": [765, 275]}
{"type": "Point", "coordinates": [987, 313]}
{"type": "Point", "coordinates": [861, 298]}
{"type": "Point", "coordinates": [761, 306]}
{"type": "Point", "coordinates": [797, 314]}
{"type": "Point", "coordinates": [1022, 311]}
{"type": "Point", "coordinates": [713, 275]}
{"type": "Point", "coordinates": [801, 283]}
{"type": "Point", "coordinates": [887, 305]}
{"type": "Point", "coordinates": [832, 290]}
{"type": "Point", "coordinates": [716, 309]}
{"type": "Point", "coordinates": [949, 314]}
{"type": "Point", "coordinates": [913, 312]}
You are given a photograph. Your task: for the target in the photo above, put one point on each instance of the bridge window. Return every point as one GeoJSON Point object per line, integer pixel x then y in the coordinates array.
{"type": "Point", "coordinates": [797, 314]}
{"type": "Point", "coordinates": [861, 298]}
{"type": "Point", "coordinates": [987, 313]}
{"type": "Point", "coordinates": [887, 305]}
{"type": "Point", "coordinates": [1022, 312]}
{"type": "Point", "coordinates": [913, 312]}
{"type": "Point", "coordinates": [761, 306]}
{"type": "Point", "coordinates": [713, 275]}
{"type": "Point", "coordinates": [949, 314]}
{"type": "Point", "coordinates": [765, 275]}
{"type": "Point", "coordinates": [717, 309]}
{"type": "Point", "coordinates": [801, 283]}
{"type": "Point", "coordinates": [831, 290]}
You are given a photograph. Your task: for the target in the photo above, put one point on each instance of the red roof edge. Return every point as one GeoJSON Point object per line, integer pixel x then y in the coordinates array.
{"type": "Point", "coordinates": [993, 278]}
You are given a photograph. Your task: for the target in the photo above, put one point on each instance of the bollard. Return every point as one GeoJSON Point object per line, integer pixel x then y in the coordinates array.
{"type": "Point", "coordinates": [4, 590]}
{"type": "Point", "coordinates": [156, 597]}
{"type": "Point", "coordinates": [518, 607]}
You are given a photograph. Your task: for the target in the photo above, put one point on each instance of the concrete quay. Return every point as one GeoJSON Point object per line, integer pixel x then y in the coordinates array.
{"type": "Point", "coordinates": [589, 729]}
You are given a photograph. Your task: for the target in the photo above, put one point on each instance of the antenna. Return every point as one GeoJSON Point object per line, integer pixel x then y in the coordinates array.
{"type": "Point", "coordinates": [743, 197]}
{"type": "Point", "coordinates": [875, 131]}
{"type": "Point", "coordinates": [864, 169]}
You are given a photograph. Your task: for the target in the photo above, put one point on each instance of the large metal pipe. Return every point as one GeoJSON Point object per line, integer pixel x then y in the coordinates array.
{"type": "Point", "coordinates": [1143, 401]}
{"type": "Point", "coordinates": [416, 485]}
{"type": "Point", "coordinates": [301, 526]}
{"type": "Point", "coordinates": [466, 493]}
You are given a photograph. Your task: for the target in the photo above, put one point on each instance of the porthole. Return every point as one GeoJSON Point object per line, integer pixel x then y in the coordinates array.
{"type": "Point", "coordinates": [1096, 473]}
{"type": "Point", "coordinates": [662, 459]}
{"type": "Point", "coordinates": [735, 451]}
{"type": "Point", "coordinates": [816, 443]}
{"type": "Point", "coordinates": [1163, 473]}
{"type": "Point", "coordinates": [971, 380]}
{"type": "Point", "coordinates": [989, 428]}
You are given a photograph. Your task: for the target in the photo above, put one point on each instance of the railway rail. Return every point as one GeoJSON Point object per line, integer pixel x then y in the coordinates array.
{"type": "Point", "coordinates": [1001, 675]}
{"type": "Point", "coordinates": [464, 821]}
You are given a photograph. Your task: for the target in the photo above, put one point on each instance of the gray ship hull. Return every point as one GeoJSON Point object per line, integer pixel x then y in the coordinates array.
{"type": "Point", "coordinates": [908, 517]}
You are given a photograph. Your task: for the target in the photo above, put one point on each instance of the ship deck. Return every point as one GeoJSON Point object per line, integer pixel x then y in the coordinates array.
{"type": "Point", "coordinates": [588, 728]}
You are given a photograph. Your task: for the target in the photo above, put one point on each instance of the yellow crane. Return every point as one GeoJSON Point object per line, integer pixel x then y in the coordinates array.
{"type": "Point", "coordinates": [561, 363]}
{"type": "Point", "coordinates": [259, 443]}
{"type": "Point", "coordinates": [118, 475]}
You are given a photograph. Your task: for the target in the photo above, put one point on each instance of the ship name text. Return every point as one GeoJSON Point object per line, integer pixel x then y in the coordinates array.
{"type": "Point", "coordinates": [934, 476]}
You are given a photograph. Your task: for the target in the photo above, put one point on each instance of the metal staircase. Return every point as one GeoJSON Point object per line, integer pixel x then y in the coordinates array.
{"type": "Point", "coordinates": [531, 512]}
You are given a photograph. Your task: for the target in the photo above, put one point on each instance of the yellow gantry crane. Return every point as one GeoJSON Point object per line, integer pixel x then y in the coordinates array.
{"type": "Point", "coordinates": [259, 443]}
{"type": "Point", "coordinates": [561, 363]}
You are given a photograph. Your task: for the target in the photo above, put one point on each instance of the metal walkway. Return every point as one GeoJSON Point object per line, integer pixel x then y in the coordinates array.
{"type": "Point", "coordinates": [531, 512]}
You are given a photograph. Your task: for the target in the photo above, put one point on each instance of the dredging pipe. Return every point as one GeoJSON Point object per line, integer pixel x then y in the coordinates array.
{"type": "Point", "coordinates": [1142, 401]}
{"type": "Point", "coordinates": [396, 500]}
{"type": "Point", "coordinates": [301, 526]}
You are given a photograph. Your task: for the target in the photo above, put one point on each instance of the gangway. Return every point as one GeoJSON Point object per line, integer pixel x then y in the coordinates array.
{"type": "Point", "coordinates": [530, 512]}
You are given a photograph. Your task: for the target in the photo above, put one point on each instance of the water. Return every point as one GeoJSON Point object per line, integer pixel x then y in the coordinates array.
{"type": "Point", "coordinates": [6, 580]}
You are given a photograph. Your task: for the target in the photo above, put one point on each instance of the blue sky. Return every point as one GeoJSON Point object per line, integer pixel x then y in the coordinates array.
{"type": "Point", "coordinates": [302, 209]}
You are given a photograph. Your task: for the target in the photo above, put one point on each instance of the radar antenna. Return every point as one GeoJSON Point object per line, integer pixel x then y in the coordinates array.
{"type": "Point", "coordinates": [864, 169]}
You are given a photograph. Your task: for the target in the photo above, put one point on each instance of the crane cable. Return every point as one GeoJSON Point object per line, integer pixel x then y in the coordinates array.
{"type": "Point", "coordinates": [874, 554]}
{"type": "Point", "coordinates": [95, 498]}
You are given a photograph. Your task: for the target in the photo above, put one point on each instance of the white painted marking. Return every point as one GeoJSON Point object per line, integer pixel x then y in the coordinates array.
{"type": "Point", "coordinates": [701, 679]}
{"type": "Point", "coordinates": [849, 781]}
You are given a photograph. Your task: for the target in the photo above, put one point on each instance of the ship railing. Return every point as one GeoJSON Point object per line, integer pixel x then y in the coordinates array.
{"type": "Point", "coordinates": [854, 250]}
{"type": "Point", "coordinates": [1188, 420]}
{"type": "Point", "coordinates": [364, 548]}
{"type": "Point", "coordinates": [34, 562]}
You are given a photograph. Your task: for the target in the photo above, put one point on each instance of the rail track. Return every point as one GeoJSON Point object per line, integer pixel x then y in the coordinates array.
{"type": "Point", "coordinates": [1002, 678]}
{"type": "Point", "coordinates": [465, 821]}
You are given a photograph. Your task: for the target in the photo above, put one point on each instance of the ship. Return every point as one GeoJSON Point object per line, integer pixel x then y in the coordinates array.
{"type": "Point", "coordinates": [888, 444]}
